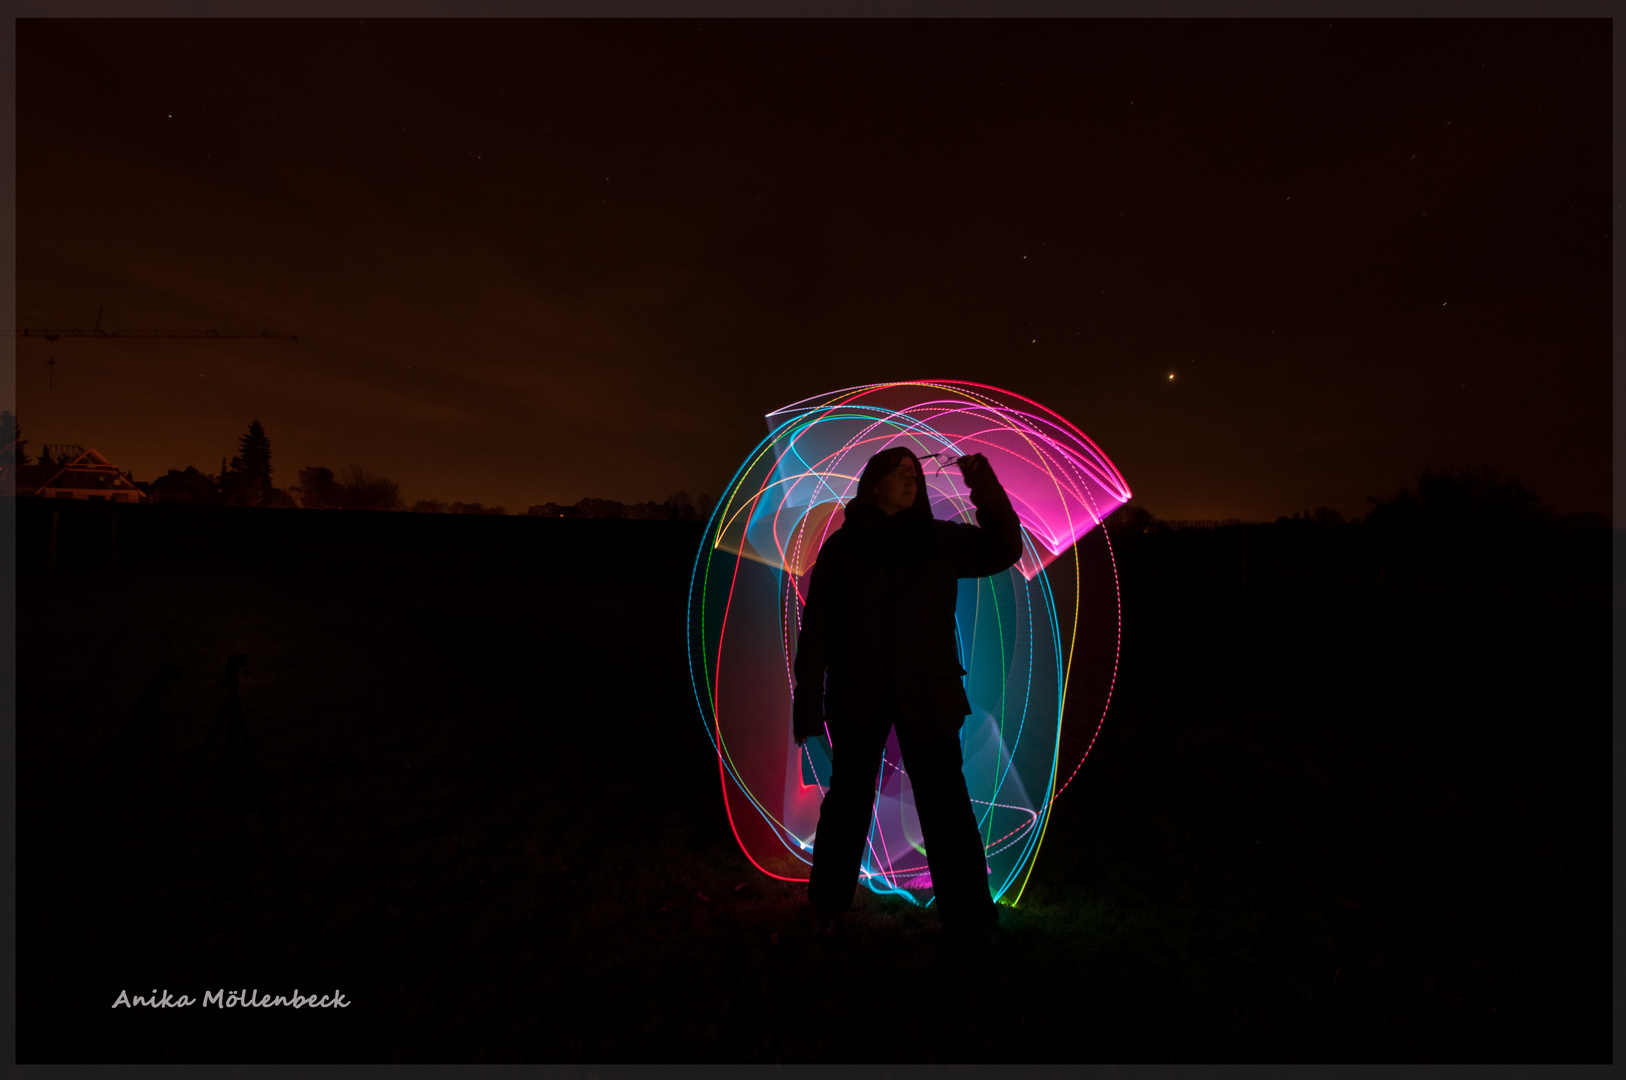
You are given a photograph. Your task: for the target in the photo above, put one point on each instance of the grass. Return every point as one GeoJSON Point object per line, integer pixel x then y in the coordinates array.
{"type": "Point", "coordinates": [1322, 823]}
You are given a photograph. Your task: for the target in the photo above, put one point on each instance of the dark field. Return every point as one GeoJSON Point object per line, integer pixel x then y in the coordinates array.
{"type": "Point", "coordinates": [1324, 821]}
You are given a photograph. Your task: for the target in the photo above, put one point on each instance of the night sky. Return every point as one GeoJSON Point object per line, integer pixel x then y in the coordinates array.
{"type": "Point", "coordinates": [541, 260]}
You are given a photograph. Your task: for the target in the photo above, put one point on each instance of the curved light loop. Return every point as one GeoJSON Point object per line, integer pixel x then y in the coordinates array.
{"type": "Point", "coordinates": [1039, 642]}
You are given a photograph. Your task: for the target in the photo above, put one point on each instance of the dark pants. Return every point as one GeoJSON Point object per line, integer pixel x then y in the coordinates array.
{"type": "Point", "coordinates": [948, 825]}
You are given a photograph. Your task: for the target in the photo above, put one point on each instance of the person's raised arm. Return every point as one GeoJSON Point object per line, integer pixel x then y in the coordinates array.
{"type": "Point", "coordinates": [995, 542]}
{"type": "Point", "coordinates": [807, 704]}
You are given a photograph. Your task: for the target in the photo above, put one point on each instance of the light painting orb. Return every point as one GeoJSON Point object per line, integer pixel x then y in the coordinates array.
{"type": "Point", "coordinates": [1039, 641]}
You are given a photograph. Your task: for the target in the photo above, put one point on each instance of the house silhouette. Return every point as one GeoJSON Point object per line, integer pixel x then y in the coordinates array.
{"type": "Point", "coordinates": [76, 474]}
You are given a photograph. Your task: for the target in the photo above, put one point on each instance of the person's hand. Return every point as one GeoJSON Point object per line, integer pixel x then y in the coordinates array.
{"type": "Point", "coordinates": [974, 467]}
{"type": "Point", "coordinates": [807, 715]}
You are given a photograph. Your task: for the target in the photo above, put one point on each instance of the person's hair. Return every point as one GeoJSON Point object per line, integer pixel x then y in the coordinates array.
{"type": "Point", "coordinates": [879, 466]}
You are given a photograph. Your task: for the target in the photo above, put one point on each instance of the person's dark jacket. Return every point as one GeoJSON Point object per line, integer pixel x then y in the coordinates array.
{"type": "Point", "coordinates": [880, 605]}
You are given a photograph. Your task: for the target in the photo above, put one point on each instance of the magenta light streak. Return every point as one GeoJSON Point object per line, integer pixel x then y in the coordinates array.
{"type": "Point", "coordinates": [1032, 653]}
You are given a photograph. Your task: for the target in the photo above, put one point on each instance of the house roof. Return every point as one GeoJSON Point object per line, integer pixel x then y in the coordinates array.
{"type": "Point", "coordinates": [90, 471]}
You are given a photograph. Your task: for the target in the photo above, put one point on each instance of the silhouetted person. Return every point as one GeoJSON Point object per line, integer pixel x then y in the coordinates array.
{"type": "Point", "coordinates": [877, 650]}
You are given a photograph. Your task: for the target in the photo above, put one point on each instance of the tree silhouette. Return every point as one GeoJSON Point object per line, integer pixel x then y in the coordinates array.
{"type": "Point", "coordinates": [1459, 525]}
{"type": "Point", "coordinates": [318, 490]}
{"type": "Point", "coordinates": [185, 485]}
{"type": "Point", "coordinates": [601, 508]}
{"type": "Point", "coordinates": [679, 507]}
{"type": "Point", "coordinates": [253, 460]}
{"type": "Point", "coordinates": [553, 510]}
{"type": "Point", "coordinates": [366, 491]}
{"type": "Point", "coordinates": [12, 432]}
{"type": "Point", "coordinates": [357, 489]}
{"type": "Point", "coordinates": [1130, 518]}
{"type": "Point", "coordinates": [246, 479]}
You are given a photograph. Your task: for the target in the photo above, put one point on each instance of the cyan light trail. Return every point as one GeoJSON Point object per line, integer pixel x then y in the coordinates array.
{"type": "Point", "coordinates": [1018, 644]}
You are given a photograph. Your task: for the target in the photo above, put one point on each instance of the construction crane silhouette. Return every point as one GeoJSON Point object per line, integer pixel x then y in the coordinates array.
{"type": "Point", "coordinates": [52, 335]}
{"type": "Point", "coordinates": [97, 332]}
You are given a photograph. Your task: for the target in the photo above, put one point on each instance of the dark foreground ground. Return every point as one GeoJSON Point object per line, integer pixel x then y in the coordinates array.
{"type": "Point", "coordinates": [1323, 822]}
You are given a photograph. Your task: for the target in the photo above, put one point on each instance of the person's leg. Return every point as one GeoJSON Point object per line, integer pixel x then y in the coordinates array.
{"type": "Point", "coordinates": [948, 824]}
{"type": "Point", "coordinates": [844, 817]}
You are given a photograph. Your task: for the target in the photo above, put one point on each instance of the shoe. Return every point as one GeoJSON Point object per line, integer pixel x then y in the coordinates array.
{"type": "Point", "coordinates": [818, 922]}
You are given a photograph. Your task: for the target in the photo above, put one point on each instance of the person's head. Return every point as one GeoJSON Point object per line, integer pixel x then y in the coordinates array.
{"type": "Point", "coordinates": [893, 481]}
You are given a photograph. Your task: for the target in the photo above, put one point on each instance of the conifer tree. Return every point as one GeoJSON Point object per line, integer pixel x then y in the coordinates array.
{"type": "Point", "coordinates": [253, 460]}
